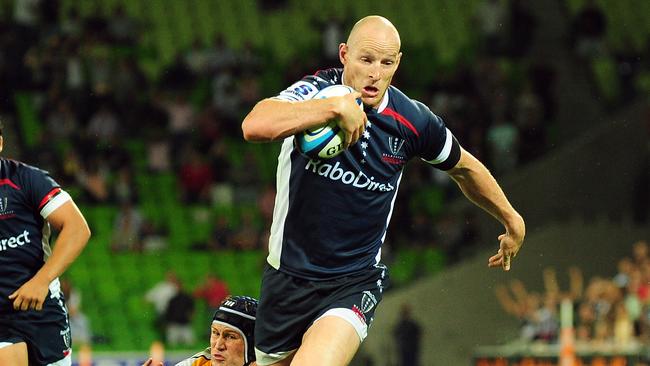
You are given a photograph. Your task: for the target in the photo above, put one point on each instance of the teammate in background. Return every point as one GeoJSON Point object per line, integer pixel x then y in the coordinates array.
{"type": "Point", "coordinates": [34, 325]}
{"type": "Point", "coordinates": [324, 278]}
{"type": "Point", "coordinates": [231, 336]}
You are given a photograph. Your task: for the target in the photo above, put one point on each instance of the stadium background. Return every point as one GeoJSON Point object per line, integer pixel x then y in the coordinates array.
{"type": "Point", "coordinates": [143, 105]}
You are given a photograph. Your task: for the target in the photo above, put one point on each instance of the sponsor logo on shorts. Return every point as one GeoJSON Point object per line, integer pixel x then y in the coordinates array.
{"type": "Point", "coordinates": [336, 173]}
{"type": "Point", "coordinates": [14, 241]}
{"type": "Point", "coordinates": [65, 334]}
{"type": "Point", "coordinates": [368, 301]}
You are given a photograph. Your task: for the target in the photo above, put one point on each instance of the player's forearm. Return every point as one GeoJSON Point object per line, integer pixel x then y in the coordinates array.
{"type": "Point", "coordinates": [71, 241]}
{"type": "Point", "coordinates": [480, 187]}
{"type": "Point", "coordinates": [273, 119]}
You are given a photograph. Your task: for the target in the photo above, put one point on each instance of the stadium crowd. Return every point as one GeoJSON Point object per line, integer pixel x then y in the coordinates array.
{"type": "Point", "coordinates": [608, 311]}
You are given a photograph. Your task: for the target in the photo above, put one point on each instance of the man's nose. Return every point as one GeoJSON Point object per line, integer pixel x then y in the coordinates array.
{"type": "Point", "coordinates": [374, 72]}
{"type": "Point", "coordinates": [221, 343]}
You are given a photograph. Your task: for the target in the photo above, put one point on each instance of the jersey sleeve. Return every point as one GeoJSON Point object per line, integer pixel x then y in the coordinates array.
{"type": "Point", "coordinates": [438, 146]}
{"type": "Point", "coordinates": [44, 193]}
{"type": "Point", "coordinates": [307, 87]}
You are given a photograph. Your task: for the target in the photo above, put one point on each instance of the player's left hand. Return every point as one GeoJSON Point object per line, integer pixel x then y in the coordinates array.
{"type": "Point", "coordinates": [31, 295]}
{"type": "Point", "coordinates": [509, 246]}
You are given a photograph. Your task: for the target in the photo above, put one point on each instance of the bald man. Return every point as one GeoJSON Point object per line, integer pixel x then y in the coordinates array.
{"type": "Point", "coordinates": [324, 277]}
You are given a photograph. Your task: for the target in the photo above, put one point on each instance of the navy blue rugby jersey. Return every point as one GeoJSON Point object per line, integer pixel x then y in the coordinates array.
{"type": "Point", "coordinates": [27, 196]}
{"type": "Point", "coordinates": [331, 216]}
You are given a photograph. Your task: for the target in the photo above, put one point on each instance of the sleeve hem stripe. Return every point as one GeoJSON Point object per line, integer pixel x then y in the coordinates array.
{"type": "Point", "coordinates": [55, 203]}
{"type": "Point", "coordinates": [446, 149]}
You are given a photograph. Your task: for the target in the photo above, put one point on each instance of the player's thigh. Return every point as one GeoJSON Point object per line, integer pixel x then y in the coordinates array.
{"type": "Point", "coordinates": [13, 354]}
{"type": "Point", "coordinates": [319, 347]}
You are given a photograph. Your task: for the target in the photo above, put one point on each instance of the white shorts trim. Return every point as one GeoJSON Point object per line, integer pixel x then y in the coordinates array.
{"type": "Point", "coordinates": [265, 359]}
{"type": "Point", "coordinates": [351, 317]}
{"type": "Point", "coordinates": [65, 361]}
{"type": "Point", "coordinates": [6, 344]}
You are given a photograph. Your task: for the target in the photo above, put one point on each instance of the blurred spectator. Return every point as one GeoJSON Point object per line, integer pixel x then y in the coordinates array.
{"type": "Point", "coordinates": [491, 18]}
{"type": "Point", "coordinates": [127, 231]}
{"type": "Point", "coordinates": [266, 203]}
{"type": "Point", "coordinates": [247, 234]}
{"type": "Point", "coordinates": [213, 290]}
{"type": "Point", "coordinates": [196, 177]}
{"type": "Point", "coordinates": [333, 35]}
{"type": "Point", "coordinates": [127, 83]}
{"type": "Point", "coordinates": [503, 144]}
{"type": "Point", "coordinates": [124, 188]}
{"type": "Point", "coordinates": [159, 154]}
{"type": "Point", "coordinates": [249, 90]}
{"type": "Point", "coordinates": [625, 268]}
{"type": "Point", "coordinates": [178, 319]}
{"type": "Point", "coordinates": [408, 334]}
{"type": "Point", "coordinates": [548, 322]}
{"type": "Point", "coordinates": [93, 180]}
{"type": "Point", "coordinates": [122, 29]}
{"type": "Point", "coordinates": [196, 58]}
{"type": "Point", "coordinates": [589, 28]}
{"type": "Point", "coordinates": [640, 252]}
{"type": "Point", "coordinates": [71, 24]}
{"type": "Point", "coordinates": [529, 118]}
{"type": "Point", "coordinates": [26, 12]}
{"type": "Point", "coordinates": [224, 93]}
{"type": "Point", "coordinates": [182, 118]}
{"type": "Point", "coordinates": [177, 76]}
{"type": "Point", "coordinates": [222, 233]}
{"type": "Point", "coordinates": [62, 123]}
{"type": "Point", "coordinates": [104, 126]}
{"type": "Point", "coordinates": [159, 296]}
{"type": "Point", "coordinates": [220, 56]}
{"type": "Point", "coordinates": [522, 28]}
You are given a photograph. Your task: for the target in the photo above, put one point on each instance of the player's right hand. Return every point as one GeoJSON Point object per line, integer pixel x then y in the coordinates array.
{"type": "Point", "coordinates": [352, 119]}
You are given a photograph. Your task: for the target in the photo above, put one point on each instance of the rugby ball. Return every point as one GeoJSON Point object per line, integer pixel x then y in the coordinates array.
{"type": "Point", "coordinates": [325, 141]}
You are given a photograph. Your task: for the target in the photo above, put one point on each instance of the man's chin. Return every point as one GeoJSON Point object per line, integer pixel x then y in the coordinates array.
{"type": "Point", "coordinates": [371, 101]}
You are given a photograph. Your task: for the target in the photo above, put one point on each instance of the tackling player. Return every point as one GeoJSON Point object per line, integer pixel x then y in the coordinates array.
{"type": "Point", "coordinates": [231, 336]}
{"type": "Point", "coordinates": [324, 278]}
{"type": "Point", "coordinates": [34, 324]}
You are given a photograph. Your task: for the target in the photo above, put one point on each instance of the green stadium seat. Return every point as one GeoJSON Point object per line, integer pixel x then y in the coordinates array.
{"type": "Point", "coordinates": [433, 260]}
{"type": "Point", "coordinates": [31, 127]}
{"type": "Point", "coordinates": [404, 267]}
{"type": "Point", "coordinates": [606, 76]}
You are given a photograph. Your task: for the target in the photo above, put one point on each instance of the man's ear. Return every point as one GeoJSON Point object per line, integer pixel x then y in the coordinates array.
{"type": "Point", "coordinates": [343, 53]}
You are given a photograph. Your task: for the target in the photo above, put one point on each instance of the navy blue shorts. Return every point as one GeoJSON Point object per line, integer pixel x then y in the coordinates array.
{"type": "Point", "coordinates": [46, 332]}
{"type": "Point", "coordinates": [290, 305]}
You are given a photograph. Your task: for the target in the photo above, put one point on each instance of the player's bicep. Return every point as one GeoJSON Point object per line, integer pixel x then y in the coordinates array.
{"type": "Point", "coordinates": [67, 214]}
